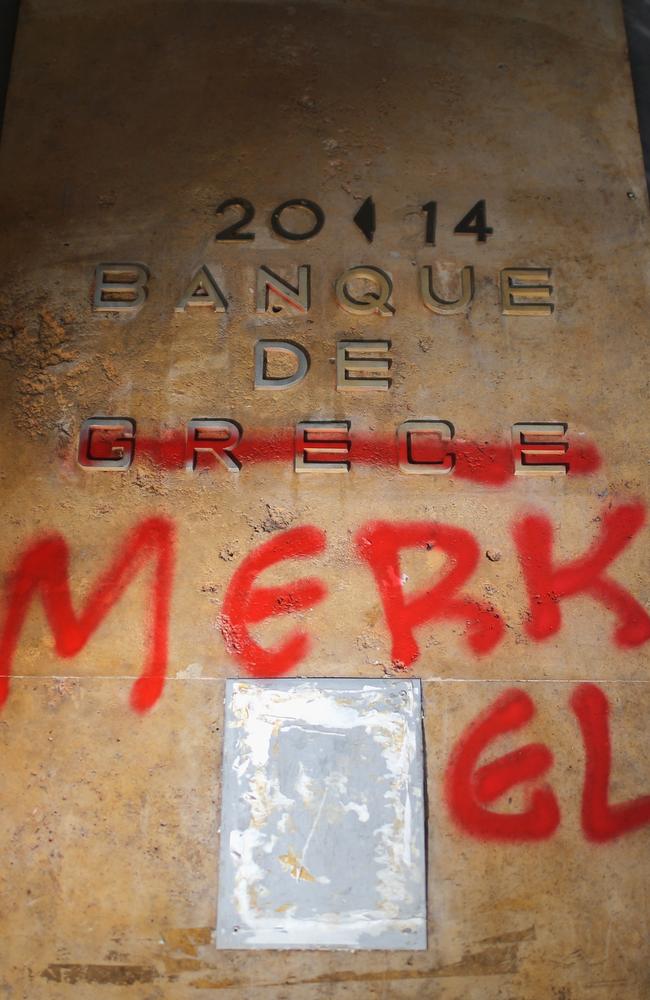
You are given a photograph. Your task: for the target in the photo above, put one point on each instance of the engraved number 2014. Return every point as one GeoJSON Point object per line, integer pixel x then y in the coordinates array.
{"type": "Point", "coordinates": [473, 223]}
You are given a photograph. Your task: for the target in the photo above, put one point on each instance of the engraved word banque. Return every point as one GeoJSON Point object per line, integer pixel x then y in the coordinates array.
{"type": "Point", "coordinates": [363, 290]}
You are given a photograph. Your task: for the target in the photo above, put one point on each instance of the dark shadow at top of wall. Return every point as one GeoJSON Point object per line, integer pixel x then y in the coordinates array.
{"type": "Point", "coordinates": [8, 19]}
{"type": "Point", "coordinates": [637, 23]}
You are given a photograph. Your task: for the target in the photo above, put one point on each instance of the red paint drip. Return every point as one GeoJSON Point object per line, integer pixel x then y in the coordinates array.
{"type": "Point", "coordinates": [478, 462]}
{"type": "Point", "coordinates": [43, 569]}
{"type": "Point", "coordinates": [469, 789]}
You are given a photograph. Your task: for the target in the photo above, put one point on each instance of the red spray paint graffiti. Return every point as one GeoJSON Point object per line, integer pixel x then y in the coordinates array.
{"type": "Point", "coordinates": [380, 543]}
{"type": "Point", "coordinates": [476, 461]}
{"type": "Point", "coordinates": [469, 789]}
{"type": "Point", "coordinates": [600, 820]}
{"type": "Point", "coordinates": [548, 584]}
{"type": "Point", "coordinates": [43, 570]}
{"type": "Point", "coordinates": [246, 604]}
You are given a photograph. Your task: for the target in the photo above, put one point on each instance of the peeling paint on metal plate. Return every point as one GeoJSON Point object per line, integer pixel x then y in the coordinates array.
{"type": "Point", "coordinates": [322, 831]}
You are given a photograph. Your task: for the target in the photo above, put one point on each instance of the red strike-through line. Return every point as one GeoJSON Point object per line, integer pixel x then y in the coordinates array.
{"type": "Point", "coordinates": [479, 462]}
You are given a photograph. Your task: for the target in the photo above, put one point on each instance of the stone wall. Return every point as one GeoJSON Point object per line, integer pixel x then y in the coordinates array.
{"type": "Point", "coordinates": [132, 594]}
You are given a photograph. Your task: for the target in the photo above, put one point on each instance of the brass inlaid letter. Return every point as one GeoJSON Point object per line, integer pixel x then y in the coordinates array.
{"type": "Point", "coordinates": [409, 463]}
{"type": "Point", "coordinates": [545, 440]}
{"type": "Point", "coordinates": [270, 288]}
{"type": "Point", "coordinates": [370, 302]}
{"type": "Point", "coordinates": [348, 360]}
{"type": "Point", "coordinates": [265, 347]}
{"type": "Point", "coordinates": [202, 291]}
{"type": "Point", "coordinates": [445, 307]}
{"type": "Point", "coordinates": [315, 438]}
{"type": "Point", "coordinates": [213, 437]}
{"type": "Point", "coordinates": [526, 291]}
{"type": "Point", "coordinates": [106, 443]}
{"type": "Point", "coordinates": [120, 288]}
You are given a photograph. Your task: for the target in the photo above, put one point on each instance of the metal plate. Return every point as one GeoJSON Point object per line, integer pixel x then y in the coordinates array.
{"type": "Point", "coordinates": [322, 831]}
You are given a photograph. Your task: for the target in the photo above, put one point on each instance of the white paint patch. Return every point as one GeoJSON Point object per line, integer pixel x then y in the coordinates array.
{"type": "Point", "coordinates": [359, 809]}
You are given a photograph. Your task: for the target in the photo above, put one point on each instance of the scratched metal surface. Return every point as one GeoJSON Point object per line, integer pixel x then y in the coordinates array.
{"type": "Point", "coordinates": [126, 125]}
{"type": "Point", "coordinates": [322, 822]}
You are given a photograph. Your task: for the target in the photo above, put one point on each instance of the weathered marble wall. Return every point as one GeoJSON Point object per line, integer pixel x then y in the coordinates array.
{"type": "Point", "coordinates": [127, 125]}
